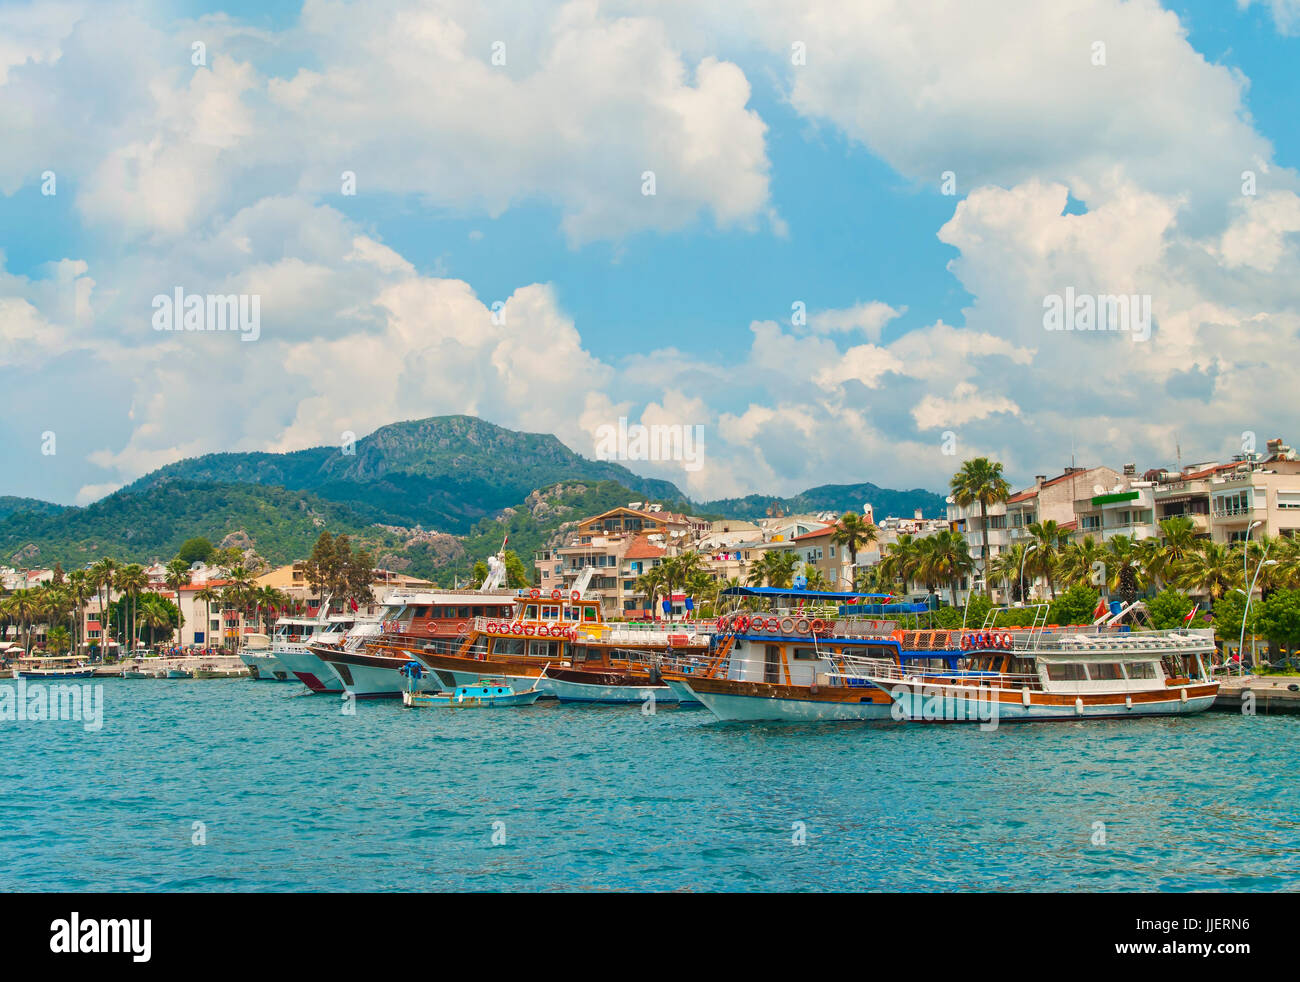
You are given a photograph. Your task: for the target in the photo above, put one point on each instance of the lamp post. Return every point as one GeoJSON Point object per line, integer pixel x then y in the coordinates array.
{"type": "Point", "coordinates": [1250, 591]}
{"type": "Point", "coordinates": [1245, 577]}
{"type": "Point", "coordinates": [1023, 556]}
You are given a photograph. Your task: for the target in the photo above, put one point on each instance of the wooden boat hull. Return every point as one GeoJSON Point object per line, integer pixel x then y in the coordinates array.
{"type": "Point", "coordinates": [575, 685]}
{"type": "Point", "coordinates": [736, 701]}
{"type": "Point", "coordinates": [930, 702]}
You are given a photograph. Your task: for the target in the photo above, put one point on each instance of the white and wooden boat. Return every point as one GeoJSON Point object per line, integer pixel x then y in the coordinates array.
{"type": "Point", "coordinates": [64, 667]}
{"type": "Point", "coordinates": [483, 694]}
{"type": "Point", "coordinates": [1100, 671]}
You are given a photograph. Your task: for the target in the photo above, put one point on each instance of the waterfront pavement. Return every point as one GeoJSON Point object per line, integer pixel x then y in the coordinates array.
{"type": "Point", "coordinates": [1273, 693]}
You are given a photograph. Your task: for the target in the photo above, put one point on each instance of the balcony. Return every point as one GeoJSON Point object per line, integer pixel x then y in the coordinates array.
{"type": "Point", "coordinates": [1234, 511]}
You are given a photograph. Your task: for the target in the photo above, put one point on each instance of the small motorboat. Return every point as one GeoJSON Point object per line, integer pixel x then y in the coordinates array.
{"type": "Point", "coordinates": [135, 673]}
{"type": "Point", "coordinates": [483, 694]}
{"type": "Point", "coordinates": [53, 668]}
{"type": "Point", "coordinates": [179, 673]}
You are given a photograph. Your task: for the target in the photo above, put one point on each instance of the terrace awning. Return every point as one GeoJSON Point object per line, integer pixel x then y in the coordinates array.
{"type": "Point", "coordinates": [776, 591]}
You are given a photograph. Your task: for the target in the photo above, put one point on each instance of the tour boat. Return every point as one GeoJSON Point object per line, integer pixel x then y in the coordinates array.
{"type": "Point", "coordinates": [293, 637]}
{"type": "Point", "coordinates": [179, 673]}
{"type": "Point", "coordinates": [367, 665]}
{"type": "Point", "coordinates": [590, 659]}
{"type": "Point", "coordinates": [262, 663]}
{"type": "Point", "coordinates": [1057, 673]}
{"type": "Point", "coordinates": [65, 667]}
{"type": "Point", "coordinates": [781, 657]}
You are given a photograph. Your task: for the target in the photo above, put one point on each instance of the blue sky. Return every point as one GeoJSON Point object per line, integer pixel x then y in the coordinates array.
{"type": "Point", "coordinates": [820, 185]}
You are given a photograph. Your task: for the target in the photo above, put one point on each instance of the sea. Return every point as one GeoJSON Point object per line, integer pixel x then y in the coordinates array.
{"type": "Point", "coordinates": [237, 785]}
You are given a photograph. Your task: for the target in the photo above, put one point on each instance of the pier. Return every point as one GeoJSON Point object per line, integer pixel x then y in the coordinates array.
{"type": "Point", "coordinates": [1273, 694]}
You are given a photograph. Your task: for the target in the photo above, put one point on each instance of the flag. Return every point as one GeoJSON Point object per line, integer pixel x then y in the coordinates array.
{"type": "Point", "coordinates": [352, 602]}
{"type": "Point", "coordinates": [1101, 608]}
{"type": "Point", "coordinates": [1191, 613]}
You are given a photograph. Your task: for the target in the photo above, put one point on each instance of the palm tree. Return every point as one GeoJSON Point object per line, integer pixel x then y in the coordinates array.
{"type": "Point", "coordinates": [1213, 569]}
{"type": "Point", "coordinates": [206, 596]}
{"type": "Point", "coordinates": [79, 590]}
{"type": "Point", "coordinates": [131, 580]}
{"type": "Point", "coordinates": [21, 606]}
{"type": "Point", "coordinates": [1124, 573]}
{"type": "Point", "coordinates": [980, 481]}
{"type": "Point", "coordinates": [1007, 566]}
{"type": "Point", "coordinates": [946, 559]}
{"type": "Point", "coordinates": [650, 583]}
{"type": "Point", "coordinates": [1049, 538]}
{"type": "Point", "coordinates": [178, 575]}
{"type": "Point", "coordinates": [852, 533]}
{"type": "Point", "coordinates": [104, 574]}
{"type": "Point", "coordinates": [1077, 561]}
{"type": "Point", "coordinates": [899, 561]}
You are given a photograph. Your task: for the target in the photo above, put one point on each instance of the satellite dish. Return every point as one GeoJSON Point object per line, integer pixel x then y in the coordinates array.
{"type": "Point", "coordinates": [1097, 489]}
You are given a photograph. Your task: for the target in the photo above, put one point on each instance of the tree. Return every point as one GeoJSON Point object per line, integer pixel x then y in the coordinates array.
{"type": "Point", "coordinates": [1007, 566]}
{"type": "Point", "coordinates": [131, 580]}
{"type": "Point", "coordinates": [1279, 618]}
{"type": "Point", "coordinates": [178, 575]}
{"type": "Point", "coordinates": [1168, 608]}
{"type": "Point", "coordinates": [196, 550]}
{"type": "Point", "coordinates": [899, 562]}
{"type": "Point", "coordinates": [1078, 560]}
{"type": "Point", "coordinates": [104, 575]}
{"type": "Point", "coordinates": [852, 533]}
{"type": "Point", "coordinates": [320, 566]}
{"type": "Point", "coordinates": [206, 596]}
{"type": "Point", "coordinates": [1073, 606]}
{"type": "Point", "coordinates": [79, 589]}
{"type": "Point", "coordinates": [945, 558]}
{"type": "Point", "coordinates": [1049, 539]}
{"type": "Point", "coordinates": [1124, 573]}
{"type": "Point", "coordinates": [980, 481]}
{"type": "Point", "coordinates": [1213, 569]}
{"type": "Point", "coordinates": [517, 575]}
{"type": "Point", "coordinates": [58, 640]}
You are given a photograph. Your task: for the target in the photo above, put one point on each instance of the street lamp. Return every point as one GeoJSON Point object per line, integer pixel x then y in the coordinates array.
{"type": "Point", "coordinates": [1250, 591]}
{"type": "Point", "coordinates": [1023, 556]}
{"type": "Point", "coordinates": [1245, 577]}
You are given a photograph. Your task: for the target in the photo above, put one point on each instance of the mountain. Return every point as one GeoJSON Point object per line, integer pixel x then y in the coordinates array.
{"type": "Point", "coordinates": [445, 472]}
{"type": "Point", "coordinates": [9, 504]}
{"type": "Point", "coordinates": [151, 523]}
{"type": "Point", "coordinates": [838, 498]}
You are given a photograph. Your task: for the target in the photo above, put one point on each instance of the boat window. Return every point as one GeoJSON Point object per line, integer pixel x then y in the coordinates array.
{"type": "Point", "coordinates": [507, 646]}
{"type": "Point", "coordinates": [771, 662]}
{"type": "Point", "coordinates": [1066, 672]}
{"type": "Point", "coordinates": [589, 614]}
{"type": "Point", "coordinates": [541, 649]}
{"type": "Point", "coordinates": [806, 654]}
{"type": "Point", "coordinates": [530, 612]}
{"type": "Point", "coordinates": [419, 611]}
{"type": "Point", "coordinates": [1140, 669]}
{"type": "Point", "coordinates": [1106, 671]}
{"type": "Point", "coordinates": [550, 613]}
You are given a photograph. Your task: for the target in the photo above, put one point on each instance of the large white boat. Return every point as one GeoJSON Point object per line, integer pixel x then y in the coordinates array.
{"type": "Point", "coordinates": [1106, 670]}
{"type": "Point", "coordinates": [262, 664]}
{"type": "Point", "coordinates": [291, 646]}
{"type": "Point", "coordinates": [50, 668]}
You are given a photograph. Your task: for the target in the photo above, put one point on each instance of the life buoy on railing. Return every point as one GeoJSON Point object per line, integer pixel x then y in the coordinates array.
{"type": "Point", "coordinates": [491, 627]}
{"type": "Point", "coordinates": [516, 628]}
{"type": "Point", "coordinates": [965, 642]}
{"type": "Point", "coordinates": [530, 630]}
{"type": "Point", "coordinates": [462, 628]}
{"type": "Point", "coordinates": [802, 625]}
{"type": "Point", "coordinates": [781, 625]}
{"type": "Point", "coordinates": [818, 626]}
{"type": "Point", "coordinates": [722, 624]}
{"type": "Point", "coordinates": [534, 593]}
{"type": "Point", "coordinates": [575, 596]}
{"type": "Point", "coordinates": [557, 593]}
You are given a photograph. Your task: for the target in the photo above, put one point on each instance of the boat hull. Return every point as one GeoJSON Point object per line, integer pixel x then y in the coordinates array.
{"type": "Point", "coordinates": [311, 671]}
{"type": "Point", "coordinates": [368, 676]}
{"type": "Point", "coordinates": [51, 674]}
{"type": "Point", "coordinates": [446, 700]}
{"type": "Point", "coordinates": [571, 690]}
{"type": "Point", "coordinates": [266, 667]}
{"type": "Point", "coordinates": [735, 701]}
{"type": "Point", "coordinates": [919, 702]}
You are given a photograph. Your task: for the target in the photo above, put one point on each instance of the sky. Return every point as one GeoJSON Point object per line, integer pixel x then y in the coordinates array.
{"type": "Point", "coordinates": [827, 234]}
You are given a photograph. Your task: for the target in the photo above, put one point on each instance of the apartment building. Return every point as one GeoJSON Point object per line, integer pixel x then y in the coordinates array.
{"type": "Point", "coordinates": [1126, 508]}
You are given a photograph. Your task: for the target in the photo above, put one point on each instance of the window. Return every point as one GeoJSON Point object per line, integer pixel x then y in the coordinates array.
{"type": "Point", "coordinates": [1107, 671]}
{"type": "Point", "coordinates": [805, 654]}
{"type": "Point", "coordinates": [507, 646]}
{"type": "Point", "coordinates": [1066, 672]}
{"type": "Point", "coordinates": [541, 649]}
{"type": "Point", "coordinates": [771, 663]}
{"type": "Point", "coordinates": [1140, 669]}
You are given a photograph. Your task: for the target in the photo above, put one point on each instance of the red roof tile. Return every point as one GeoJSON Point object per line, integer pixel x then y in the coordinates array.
{"type": "Point", "coordinates": [641, 548]}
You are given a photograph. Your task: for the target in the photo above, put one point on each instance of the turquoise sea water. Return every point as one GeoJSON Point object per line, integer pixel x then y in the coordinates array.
{"type": "Point", "coordinates": [295, 795]}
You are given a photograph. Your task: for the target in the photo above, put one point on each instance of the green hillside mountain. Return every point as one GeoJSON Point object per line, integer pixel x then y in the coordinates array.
{"type": "Point", "coordinates": [838, 498]}
{"type": "Point", "coordinates": [445, 472]}
{"type": "Point", "coordinates": [9, 504]}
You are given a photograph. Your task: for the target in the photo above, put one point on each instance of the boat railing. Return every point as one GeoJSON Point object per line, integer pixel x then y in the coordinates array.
{"type": "Point", "coordinates": [1085, 639]}
{"type": "Point", "coordinates": [854, 668]}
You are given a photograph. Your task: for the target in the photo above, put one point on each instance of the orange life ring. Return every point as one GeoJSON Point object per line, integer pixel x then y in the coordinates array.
{"type": "Point", "coordinates": [802, 625]}
{"type": "Point", "coordinates": [781, 624]}
{"type": "Point", "coordinates": [462, 627]}
{"type": "Point", "coordinates": [818, 626]}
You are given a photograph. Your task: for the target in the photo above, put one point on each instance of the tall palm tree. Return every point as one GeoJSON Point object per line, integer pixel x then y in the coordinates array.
{"type": "Point", "coordinates": [1007, 566]}
{"type": "Point", "coordinates": [899, 561]}
{"type": "Point", "coordinates": [946, 559]}
{"type": "Point", "coordinates": [650, 583]}
{"type": "Point", "coordinates": [104, 575]}
{"type": "Point", "coordinates": [980, 481]}
{"type": "Point", "coordinates": [852, 532]}
{"type": "Point", "coordinates": [80, 588]}
{"type": "Point", "coordinates": [21, 606]}
{"type": "Point", "coordinates": [1077, 561]}
{"type": "Point", "coordinates": [131, 581]}
{"type": "Point", "coordinates": [1213, 569]}
{"type": "Point", "coordinates": [206, 596]}
{"type": "Point", "coordinates": [178, 576]}
{"type": "Point", "coordinates": [1049, 539]}
{"type": "Point", "coordinates": [1124, 573]}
